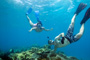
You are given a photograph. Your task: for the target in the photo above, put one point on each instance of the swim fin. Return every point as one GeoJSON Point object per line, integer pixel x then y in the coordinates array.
{"type": "Point", "coordinates": [80, 8]}
{"type": "Point", "coordinates": [86, 17]}
{"type": "Point", "coordinates": [37, 14]}
{"type": "Point", "coordinates": [29, 11]}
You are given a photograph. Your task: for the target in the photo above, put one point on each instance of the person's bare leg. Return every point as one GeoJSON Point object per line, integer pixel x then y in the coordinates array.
{"type": "Point", "coordinates": [30, 21]}
{"type": "Point", "coordinates": [78, 36]}
{"type": "Point", "coordinates": [86, 17]}
{"type": "Point", "coordinates": [73, 20]}
{"type": "Point", "coordinates": [71, 27]}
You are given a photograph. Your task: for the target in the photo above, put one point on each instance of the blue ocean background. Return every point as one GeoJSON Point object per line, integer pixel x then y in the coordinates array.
{"type": "Point", "coordinates": [54, 14]}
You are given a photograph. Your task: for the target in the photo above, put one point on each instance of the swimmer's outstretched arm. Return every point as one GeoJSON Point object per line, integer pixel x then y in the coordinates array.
{"type": "Point", "coordinates": [60, 35]}
{"type": "Point", "coordinates": [31, 29]}
{"type": "Point", "coordinates": [54, 50]}
{"type": "Point", "coordinates": [47, 29]}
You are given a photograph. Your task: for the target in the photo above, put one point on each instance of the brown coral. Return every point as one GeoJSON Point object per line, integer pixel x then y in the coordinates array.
{"type": "Point", "coordinates": [43, 53]}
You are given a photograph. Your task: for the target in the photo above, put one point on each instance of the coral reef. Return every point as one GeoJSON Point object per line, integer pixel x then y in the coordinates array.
{"type": "Point", "coordinates": [39, 53]}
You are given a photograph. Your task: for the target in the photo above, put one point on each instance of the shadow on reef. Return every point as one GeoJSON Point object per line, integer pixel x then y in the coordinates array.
{"type": "Point", "coordinates": [35, 53]}
{"type": "Point", "coordinates": [4, 56]}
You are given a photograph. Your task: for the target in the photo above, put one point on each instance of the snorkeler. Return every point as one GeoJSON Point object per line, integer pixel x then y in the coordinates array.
{"type": "Point", "coordinates": [38, 26]}
{"type": "Point", "coordinates": [63, 40]}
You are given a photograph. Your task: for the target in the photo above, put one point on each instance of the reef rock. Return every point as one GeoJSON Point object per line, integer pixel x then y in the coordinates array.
{"type": "Point", "coordinates": [43, 53]}
{"type": "Point", "coordinates": [39, 53]}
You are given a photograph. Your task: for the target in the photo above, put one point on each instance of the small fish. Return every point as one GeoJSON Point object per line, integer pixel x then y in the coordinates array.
{"type": "Point", "coordinates": [48, 37]}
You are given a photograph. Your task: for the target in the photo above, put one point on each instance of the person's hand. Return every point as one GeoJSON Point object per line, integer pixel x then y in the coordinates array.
{"type": "Point", "coordinates": [29, 30]}
{"type": "Point", "coordinates": [51, 28]}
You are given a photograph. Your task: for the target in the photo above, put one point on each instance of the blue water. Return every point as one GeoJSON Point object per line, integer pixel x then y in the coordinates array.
{"type": "Point", "coordinates": [55, 14]}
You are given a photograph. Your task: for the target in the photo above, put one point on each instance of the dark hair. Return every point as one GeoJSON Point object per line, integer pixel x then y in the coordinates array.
{"type": "Point", "coordinates": [50, 41]}
{"type": "Point", "coordinates": [39, 23]}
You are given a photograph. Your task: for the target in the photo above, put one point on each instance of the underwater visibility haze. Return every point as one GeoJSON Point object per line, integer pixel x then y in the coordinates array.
{"type": "Point", "coordinates": [56, 14]}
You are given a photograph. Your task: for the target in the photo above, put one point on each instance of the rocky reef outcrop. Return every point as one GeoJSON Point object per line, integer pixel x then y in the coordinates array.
{"type": "Point", "coordinates": [38, 53]}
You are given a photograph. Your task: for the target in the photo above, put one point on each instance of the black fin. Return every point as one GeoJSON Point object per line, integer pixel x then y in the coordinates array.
{"type": "Point", "coordinates": [80, 8]}
{"type": "Point", "coordinates": [86, 17]}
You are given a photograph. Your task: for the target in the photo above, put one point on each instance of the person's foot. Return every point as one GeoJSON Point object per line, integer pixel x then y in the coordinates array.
{"type": "Point", "coordinates": [86, 17]}
{"type": "Point", "coordinates": [26, 13]}
{"type": "Point", "coordinates": [80, 8]}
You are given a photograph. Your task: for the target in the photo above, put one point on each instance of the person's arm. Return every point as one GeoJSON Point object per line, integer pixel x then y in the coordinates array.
{"type": "Point", "coordinates": [60, 35]}
{"type": "Point", "coordinates": [54, 50]}
{"type": "Point", "coordinates": [32, 29]}
{"type": "Point", "coordinates": [47, 29]}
